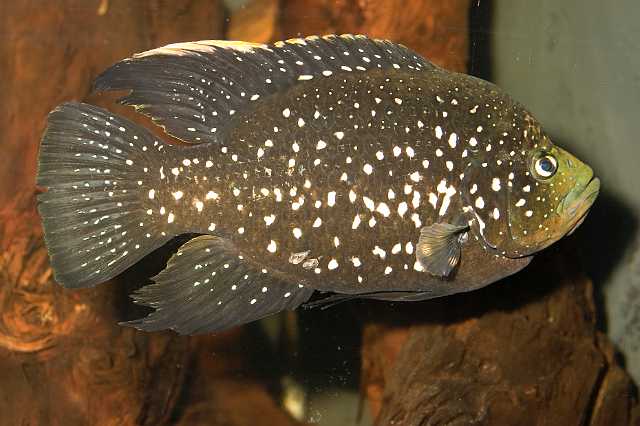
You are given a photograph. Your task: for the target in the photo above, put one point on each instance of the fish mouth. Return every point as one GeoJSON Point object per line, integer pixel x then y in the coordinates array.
{"type": "Point", "coordinates": [576, 205]}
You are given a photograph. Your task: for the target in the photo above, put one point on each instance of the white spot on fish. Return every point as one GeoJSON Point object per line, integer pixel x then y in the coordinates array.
{"type": "Point", "coordinates": [270, 219]}
{"type": "Point", "coordinates": [402, 208]}
{"type": "Point", "coordinates": [331, 198]}
{"type": "Point", "coordinates": [409, 247]}
{"type": "Point", "coordinates": [379, 252]}
{"type": "Point", "coordinates": [442, 186]}
{"type": "Point", "coordinates": [410, 152]}
{"type": "Point", "coordinates": [453, 140]}
{"type": "Point", "coordinates": [390, 194]}
{"type": "Point", "coordinates": [368, 202]}
{"type": "Point", "coordinates": [433, 199]}
{"type": "Point", "coordinates": [297, 258]}
{"type": "Point", "coordinates": [356, 222]}
{"type": "Point", "coordinates": [383, 209]}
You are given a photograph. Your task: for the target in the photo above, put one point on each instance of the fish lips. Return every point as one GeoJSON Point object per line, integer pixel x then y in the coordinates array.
{"type": "Point", "coordinates": [575, 211]}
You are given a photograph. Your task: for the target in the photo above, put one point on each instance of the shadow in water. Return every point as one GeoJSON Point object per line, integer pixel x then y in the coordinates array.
{"type": "Point", "coordinates": [605, 237]}
{"type": "Point", "coordinates": [139, 275]}
{"type": "Point", "coordinates": [603, 240]}
{"type": "Point", "coordinates": [480, 19]}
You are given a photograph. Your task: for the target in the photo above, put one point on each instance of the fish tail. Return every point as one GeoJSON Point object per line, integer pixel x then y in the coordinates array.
{"type": "Point", "coordinates": [96, 169]}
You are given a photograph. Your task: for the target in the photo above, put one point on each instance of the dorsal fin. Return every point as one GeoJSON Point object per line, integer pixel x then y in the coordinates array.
{"type": "Point", "coordinates": [194, 89]}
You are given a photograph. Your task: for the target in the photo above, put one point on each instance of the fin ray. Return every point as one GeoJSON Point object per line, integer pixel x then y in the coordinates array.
{"type": "Point", "coordinates": [438, 248]}
{"type": "Point", "coordinates": [193, 89]}
{"type": "Point", "coordinates": [90, 163]}
{"type": "Point", "coordinates": [207, 286]}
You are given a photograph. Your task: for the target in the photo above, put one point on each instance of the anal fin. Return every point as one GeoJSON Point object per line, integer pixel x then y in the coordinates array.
{"type": "Point", "coordinates": [438, 248]}
{"type": "Point", "coordinates": [207, 286]}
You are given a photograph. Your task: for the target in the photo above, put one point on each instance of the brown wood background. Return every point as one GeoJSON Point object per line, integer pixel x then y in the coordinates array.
{"type": "Point", "coordinates": [525, 351]}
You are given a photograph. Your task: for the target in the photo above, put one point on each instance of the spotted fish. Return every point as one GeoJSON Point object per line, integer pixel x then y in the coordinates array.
{"type": "Point", "coordinates": [340, 164]}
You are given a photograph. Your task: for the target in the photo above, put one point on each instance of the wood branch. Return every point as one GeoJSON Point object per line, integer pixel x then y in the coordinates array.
{"type": "Point", "coordinates": [434, 28]}
{"type": "Point", "coordinates": [257, 21]}
{"type": "Point", "coordinates": [63, 359]}
{"type": "Point", "coordinates": [523, 351]}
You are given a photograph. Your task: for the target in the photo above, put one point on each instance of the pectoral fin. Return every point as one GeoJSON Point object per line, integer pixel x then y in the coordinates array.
{"type": "Point", "coordinates": [438, 248]}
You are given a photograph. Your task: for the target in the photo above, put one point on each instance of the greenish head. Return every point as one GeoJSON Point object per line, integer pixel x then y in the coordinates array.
{"type": "Point", "coordinates": [542, 194]}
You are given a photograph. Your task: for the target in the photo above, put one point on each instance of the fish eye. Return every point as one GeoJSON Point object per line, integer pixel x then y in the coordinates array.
{"type": "Point", "coordinates": [545, 166]}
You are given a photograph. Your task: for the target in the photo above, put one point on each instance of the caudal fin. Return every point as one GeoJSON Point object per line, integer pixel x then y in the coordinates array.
{"type": "Point", "coordinates": [96, 168]}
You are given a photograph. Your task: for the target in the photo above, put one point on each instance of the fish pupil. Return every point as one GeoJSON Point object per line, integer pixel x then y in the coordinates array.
{"type": "Point", "coordinates": [546, 165]}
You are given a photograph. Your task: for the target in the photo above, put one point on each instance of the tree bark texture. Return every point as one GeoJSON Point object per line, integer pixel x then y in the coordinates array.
{"type": "Point", "coordinates": [524, 351]}
{"type": "Point", "coordinates": [63, 358]}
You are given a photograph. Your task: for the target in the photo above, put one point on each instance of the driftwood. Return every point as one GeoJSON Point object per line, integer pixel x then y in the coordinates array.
{"type": "Point", "coordinates": [63, 359]}
{"type": "Point", "coordinates": [520, 352]}
{"type": "Point", "coordinates": [524, 351]}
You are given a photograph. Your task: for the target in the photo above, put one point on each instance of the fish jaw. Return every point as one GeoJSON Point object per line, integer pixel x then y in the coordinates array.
{"type": "Point", "coordinates": [576, 205]}
{"type": "Point", "coordinates": [572, 211]}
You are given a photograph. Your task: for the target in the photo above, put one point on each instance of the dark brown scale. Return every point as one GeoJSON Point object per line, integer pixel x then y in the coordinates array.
{"type": "Point", "coordinates": [250, 173]}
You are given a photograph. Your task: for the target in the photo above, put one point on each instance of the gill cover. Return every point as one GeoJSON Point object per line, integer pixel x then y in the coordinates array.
{"type": "Point", "coordinates": [527, 201]}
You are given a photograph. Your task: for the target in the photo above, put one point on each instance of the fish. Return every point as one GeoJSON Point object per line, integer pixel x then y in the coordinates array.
{"type": "Point", "coordinates": [340, 164]}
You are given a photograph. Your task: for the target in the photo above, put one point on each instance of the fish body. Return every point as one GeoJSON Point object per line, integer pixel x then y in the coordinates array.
{"type": "Point", "coordinates": [339, 164]}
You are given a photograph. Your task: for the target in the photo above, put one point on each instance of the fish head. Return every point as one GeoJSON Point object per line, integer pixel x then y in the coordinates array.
{"type": "Point", "coordinates": [542, 194]}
